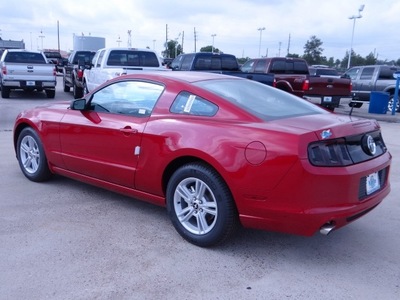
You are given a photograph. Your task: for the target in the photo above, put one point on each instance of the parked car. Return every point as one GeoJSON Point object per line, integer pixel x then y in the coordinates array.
{"type": "Point", "coordinates": [77, 62]}
{"type": "Point", "coordinates": [54, 57]}
{"type": "Point", "coordinates": [373, 78]}
{"type": "Point", "coordinates": [292, 75]}
{"type": "Point", "coordinates": [323, 71]}
{"type": "Point", "coordinates": [26, 70]}
{"type": "Point", "coordinates": [216, 150]}
{"type": "Point", "coordinates": [109, 63]}
{"type": "Point", "coordinates": [221, 63]}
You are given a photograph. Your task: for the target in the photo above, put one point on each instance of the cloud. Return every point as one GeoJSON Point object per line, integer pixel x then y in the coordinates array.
{"type": "Point", "coordinates": [234, 22]}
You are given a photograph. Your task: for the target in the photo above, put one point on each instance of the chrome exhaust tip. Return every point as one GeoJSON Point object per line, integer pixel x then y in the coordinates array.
{"type": "Point", "coordinates": [327, 228]}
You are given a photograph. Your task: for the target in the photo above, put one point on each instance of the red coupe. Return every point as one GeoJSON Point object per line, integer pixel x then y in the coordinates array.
{"type": "Point", "coordinates": [217, 151]}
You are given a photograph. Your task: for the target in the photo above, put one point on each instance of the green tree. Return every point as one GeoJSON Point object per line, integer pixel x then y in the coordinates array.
{"type": "Point", "coordinates": [210, 49]}
{"type": "Point", "coordinates": [173, 49]}
{"type": "Point", "coordinates": [370, 59]}
{"type": "Point", "coordinates": [313, 51]}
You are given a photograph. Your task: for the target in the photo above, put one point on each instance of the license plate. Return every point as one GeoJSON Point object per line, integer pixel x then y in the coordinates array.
{"type": "Point", "coordinates": [372, 183]}
{"type": "Point", "coordinates": [30, 83]}
{"type": "Point", "coordinates": [327, 99]}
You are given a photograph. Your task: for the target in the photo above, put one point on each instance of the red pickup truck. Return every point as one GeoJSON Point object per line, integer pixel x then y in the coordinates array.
{"type": "Point", "coordinates": [292, 75]}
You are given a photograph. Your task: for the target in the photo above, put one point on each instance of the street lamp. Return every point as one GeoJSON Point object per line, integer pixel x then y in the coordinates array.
{"type": "Point", "coordinates": [213, 36]}
{"type": "Point", "coordinates": [354, 17]}
{"type": "Point", "coordinates": [259, 45]}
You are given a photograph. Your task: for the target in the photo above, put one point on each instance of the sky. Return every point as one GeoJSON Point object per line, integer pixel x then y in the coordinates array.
{"type": "Point", "coordinates": [234, 25]}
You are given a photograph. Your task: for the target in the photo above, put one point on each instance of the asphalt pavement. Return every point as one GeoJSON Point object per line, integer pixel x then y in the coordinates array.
{"type": "Point", "coordinates": [64, 239]}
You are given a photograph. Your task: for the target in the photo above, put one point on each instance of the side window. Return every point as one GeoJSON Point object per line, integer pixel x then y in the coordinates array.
{"type": "Point", "coordinates": [367, 73]}
{"type": "Point", "coordinates": [261, 65]}
{"type": "Point", "coordinates": [98, 64]}
{"type": "Point", "coordinates": [247, 66]}
{"type": "Point", "coordinates": [135, 98]}
{"type": "Point", "coordinates": [189, 104]}
{"type": "Point", "coordinates": [352, 73]}
{"type": "Point", "coordinates": [186, 62]}
{"type": "Point", "coordinates": [278, 67]}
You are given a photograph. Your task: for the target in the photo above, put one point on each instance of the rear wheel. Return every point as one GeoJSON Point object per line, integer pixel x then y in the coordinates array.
{"type": "Point", "coordinates": [50, 93]}
{"type": "Point", "coordinates": [391, 103]}
{"type": "Point", "coordinates": [5, 92]}
{"type": "Point", "coordinates": [31, 157]}
{"type": "Point", "coordinates": [78, 92]}
{"type": "Point", "coordinates": [66, 87]}
{"type": "Point", "coordinates": [201, 206]}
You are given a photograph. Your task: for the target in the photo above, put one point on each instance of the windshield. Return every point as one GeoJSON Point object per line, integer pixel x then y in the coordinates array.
{"type": "Point", "coordinates": [265, 102]}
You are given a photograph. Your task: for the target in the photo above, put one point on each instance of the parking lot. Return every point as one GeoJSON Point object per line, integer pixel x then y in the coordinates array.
{"type": "Point", "coordinates": [67, 240]}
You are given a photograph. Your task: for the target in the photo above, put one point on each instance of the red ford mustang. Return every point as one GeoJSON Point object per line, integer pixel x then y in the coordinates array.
{"type": "Point", "coordinates": [217, 151]}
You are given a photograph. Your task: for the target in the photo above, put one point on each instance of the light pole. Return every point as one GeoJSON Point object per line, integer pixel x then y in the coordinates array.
{"type": "Point", "coordinates": [354, 17]}
{"type": "Point", "coordinates": [212, 47]}
{"type": "Point", "coordinates": [259, 45]}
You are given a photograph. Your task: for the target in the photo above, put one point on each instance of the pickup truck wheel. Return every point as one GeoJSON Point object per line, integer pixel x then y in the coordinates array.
{"type": "Point", "coordinates": [66, 87]}
{"type": "Point", "coordinates": [200, 205]}
{"type": "Point", "coordinates": [390, 103]}
{"type": "Point", "coordinates": [85, 89]}
{"type": "Point", "coordinates": [5, 92]}
{"type": "Point", "coordinates": [31, 157]}
{"type": "Point", "coordinates": [78, 92]}
{"type": "Point", "coordinates": [50, 93]}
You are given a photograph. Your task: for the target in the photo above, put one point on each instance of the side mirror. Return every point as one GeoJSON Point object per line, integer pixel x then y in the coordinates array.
{"type": "Point", "coordinates": [78, 104]}
{"type": "Point", "coordinates": [396, 74]}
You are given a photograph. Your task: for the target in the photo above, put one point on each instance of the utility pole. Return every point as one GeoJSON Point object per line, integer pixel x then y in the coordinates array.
{"type": "Point", "coordinates": [129, 43]}
{"type": "Point", "coordinates": [41, 36]}
{"type": "Point", "coordinates": [166, 41]}
{"type": "Point", "coordinates": [195, 39]}
{"type": "Point", "coordinates": [288, 45]}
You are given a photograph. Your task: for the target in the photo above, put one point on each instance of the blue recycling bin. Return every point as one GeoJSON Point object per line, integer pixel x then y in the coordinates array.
{"type": "Point", "coordinates": [378, 102]}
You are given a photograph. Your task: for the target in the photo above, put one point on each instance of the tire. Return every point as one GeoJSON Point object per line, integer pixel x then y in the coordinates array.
{"type": "Point", "coordinates": [66, 87]}
{"type": "Point", "coordinates": [50, 93]}
{"type": "Point", "coordinates": [5, 92]}
{"type": "Point", "coordinates": [78, 92]}
{"type": "Point", "coordinates": [31, 157]}
{"type": "Point", "coordinates": [200, 205]}
{"type": "Point", "coordinates": [85, 88]}
{"type": "Point", "coordinates": [391, 102]}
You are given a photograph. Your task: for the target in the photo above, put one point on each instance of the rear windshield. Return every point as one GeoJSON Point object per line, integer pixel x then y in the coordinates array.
{"type": "Point", "coordinates": [133, 58]}
{"type": "Point", "coordinates": [25, 57]}
{"type": "Point", "coordinates": [262, 101]}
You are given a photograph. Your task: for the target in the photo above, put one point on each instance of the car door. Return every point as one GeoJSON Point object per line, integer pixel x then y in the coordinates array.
{"type": "Point", "coordinates": [103, 141]}
{"type": "Point", "coordinates": [366, 83]}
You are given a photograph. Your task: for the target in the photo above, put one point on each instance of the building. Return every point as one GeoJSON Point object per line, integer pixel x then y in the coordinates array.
{"type": "Point", "coordinates": [11, 44]}
{"type": "Point", "coordinates": [90, 43]}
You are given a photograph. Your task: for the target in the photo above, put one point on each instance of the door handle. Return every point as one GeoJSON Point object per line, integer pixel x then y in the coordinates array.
{"type": "Point", "coordinates": [128, 130]}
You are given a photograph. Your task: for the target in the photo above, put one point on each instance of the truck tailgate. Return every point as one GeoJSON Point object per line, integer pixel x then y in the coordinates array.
{"type": "Point", "coordinates": [329, 86]}
{"type": "Point", "coordinates": [21, 71]}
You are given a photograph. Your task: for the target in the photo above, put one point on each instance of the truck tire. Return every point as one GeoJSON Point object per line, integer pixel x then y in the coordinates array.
{"type": "Point", "coordinates": [391, 102]}
{"type": "Point", "coordinates": [66, 87]}
{"type": "Point", "coordinates": [78, 92]}
{"type": "Point", "coordinates": [5, 92]}
{"type": "Point", "coordinates": [50, 93]}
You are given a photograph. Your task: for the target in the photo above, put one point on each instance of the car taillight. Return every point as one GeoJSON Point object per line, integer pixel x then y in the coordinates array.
{"type": "Point", "coordinates": [80, 73]}
{"type": "Point", "coordinates": [306, 85]}
{"type": "Point", "coordinates": [330, 153]}
{"type": "Point", "coordinates": [4, 70]}
{"type": "Point", "coordinates": [351, 86]}
{"type": "Point", "coordinates": [54, 72]}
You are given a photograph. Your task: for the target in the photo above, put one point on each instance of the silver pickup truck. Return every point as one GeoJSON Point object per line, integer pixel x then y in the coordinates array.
{"type": "Point", "coordinates": [28, 71]}
{"type": "Point", "coordinates": [373, 78]}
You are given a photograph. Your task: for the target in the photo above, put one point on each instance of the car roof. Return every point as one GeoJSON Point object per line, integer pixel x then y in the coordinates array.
{"type": "Point", "coordinates": [183, 76]}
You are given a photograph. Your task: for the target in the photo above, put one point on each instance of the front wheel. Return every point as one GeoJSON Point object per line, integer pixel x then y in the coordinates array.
{"type": "Point", "coordinates": [31, 157]}
{"type": "Point", "coordinates": [201, 206]}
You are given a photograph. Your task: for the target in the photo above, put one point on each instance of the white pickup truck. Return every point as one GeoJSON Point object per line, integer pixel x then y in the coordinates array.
{"type": "Point", "coordinates": [26, 70]}
{"type": "Point", "coordinates": [109, 63]}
